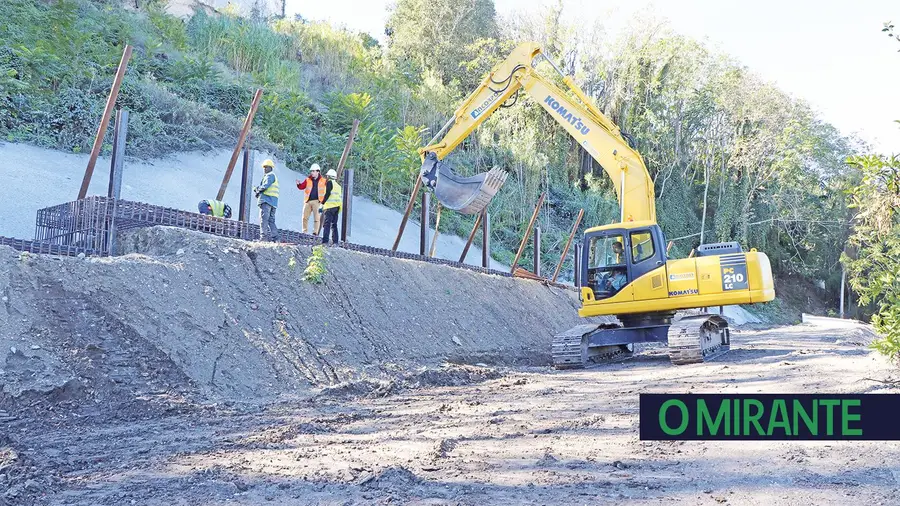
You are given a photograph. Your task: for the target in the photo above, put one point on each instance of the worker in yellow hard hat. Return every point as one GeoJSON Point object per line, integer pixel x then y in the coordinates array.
{"type": "Point", "coordinates": [267, 198]}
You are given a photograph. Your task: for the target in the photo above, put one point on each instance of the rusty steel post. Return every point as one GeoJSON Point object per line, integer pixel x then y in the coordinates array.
{"type": "Point", "coordinates": [534, 216]}
{"type": "Point", "coordinates": [120, 133]}
{"type": "Point", "coordinates": [346, 153]}
{"type": "Point", "coordinates": [425, 218]}
{"type": "Point", "coordinates": [486, 239]}
{"type": "Point", "coordinates": [465, 251]}
{"type": "Point", "coordinates": [578, 254]}
{"type": "Point", "coordinates": [537, 251]}
{"type": "Point", "coordinates": [244, 204]}
{"type": "Point", "coordinates": [565, 251]}
{"type": "Point", "coordinates": [437, 223]}
{"type": "Point", "coordinates": [245, 130]}
{"type": "Point", "coordinates": [347, 204]}
{"type": "Point", "coordinates": [409, 208]}
{"type": "Point", "coordinates": [104, 121]}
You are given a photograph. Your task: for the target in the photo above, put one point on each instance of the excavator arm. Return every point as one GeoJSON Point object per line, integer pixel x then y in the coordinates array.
{"type": "Point", "coordinates": [598, 135]}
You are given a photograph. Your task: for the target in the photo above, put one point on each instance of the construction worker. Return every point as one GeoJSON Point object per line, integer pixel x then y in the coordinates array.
{"type": "Point", "coordinates": [618, 252]}
{"type": "Point", "coordinates": [267, 199]}
{"type": "Point", "coordinates": [314, 187]}
{"type": "Point", "coordinates": [215, 208]}
{"type": "Point", "coordinates": [331, 207]}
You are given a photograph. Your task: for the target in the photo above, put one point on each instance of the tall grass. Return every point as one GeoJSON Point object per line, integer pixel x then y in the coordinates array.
{"type": "Point", "coordinates": [245, 45]}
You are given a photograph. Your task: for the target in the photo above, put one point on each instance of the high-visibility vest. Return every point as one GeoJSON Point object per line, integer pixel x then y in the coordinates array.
{"type": "Point", "coordinates": [218, 208]}
{"type": "Point", "coordinates": [272, 190]}
{"type": "Point", "coordinates": [335, 199]}
{"type": "Point", "coordinates": [321, 184]}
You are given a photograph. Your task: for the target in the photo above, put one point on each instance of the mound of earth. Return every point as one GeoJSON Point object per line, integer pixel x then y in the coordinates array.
{"type": "Point", "coordinates": [184, 314]}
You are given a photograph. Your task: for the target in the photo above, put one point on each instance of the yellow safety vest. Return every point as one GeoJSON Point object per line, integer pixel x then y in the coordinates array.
{"type": "Point", "coordinates": [335, 198]}
{"type": "Point", "coordinates": [272, 190]}
{"type": "Point", "coordinates": [218, 208]}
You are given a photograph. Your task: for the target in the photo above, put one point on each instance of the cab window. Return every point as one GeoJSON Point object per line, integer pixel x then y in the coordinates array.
{"type": "Point", "coordinates": [607, 272]}
{"type": "Point", "coordinates": [607, 251]}
{"type": "Point", "coordinates": [641, 246]}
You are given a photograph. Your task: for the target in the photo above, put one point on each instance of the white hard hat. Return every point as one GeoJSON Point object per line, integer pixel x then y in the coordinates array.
{"type": "Point", "coordinates": [331, 173]}
{"type": "Point", "coordinates": [314, 166]}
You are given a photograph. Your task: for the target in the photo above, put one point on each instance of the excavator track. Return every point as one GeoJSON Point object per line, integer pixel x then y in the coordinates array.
{"type": "Point", "coordinates": [696, 339]}
{"type": "Point", "coordinates": [570, 350]}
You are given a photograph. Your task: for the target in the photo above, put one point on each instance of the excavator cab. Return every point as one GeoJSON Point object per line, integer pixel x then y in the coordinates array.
{"type": "Point", "coordinates": [617, 256]}
{"type": "Point", "coordinates": [467, 195]}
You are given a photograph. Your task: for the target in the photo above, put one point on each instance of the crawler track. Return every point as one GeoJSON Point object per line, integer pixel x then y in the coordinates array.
{"type": "Point", "coordinates": [701, 338]}
{"type": "Point", "coordinates": [570, 350]}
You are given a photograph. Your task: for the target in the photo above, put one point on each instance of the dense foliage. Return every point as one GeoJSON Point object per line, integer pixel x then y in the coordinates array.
{"type": "Point", "coordinates": [732, 157]}
{"type": "Point", "coordinates": [874, 266]}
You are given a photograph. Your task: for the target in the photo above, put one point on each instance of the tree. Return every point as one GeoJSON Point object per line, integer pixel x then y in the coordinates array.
{"type": "Point", "coordinates": [875, 270]}
{"type": "Point", "coordinates": [437, 35]}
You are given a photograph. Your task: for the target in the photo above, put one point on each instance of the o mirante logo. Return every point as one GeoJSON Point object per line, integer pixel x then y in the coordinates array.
{"type": "Point", "coordinates": [769, 416]}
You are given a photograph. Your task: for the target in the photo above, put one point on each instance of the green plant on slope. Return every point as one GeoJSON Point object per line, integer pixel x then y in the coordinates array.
{"type": "Point", "coordinates": [315, 266]}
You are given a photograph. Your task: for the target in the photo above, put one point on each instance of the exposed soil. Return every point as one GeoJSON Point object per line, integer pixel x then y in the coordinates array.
{"type": "Point", "coordinates": [199, 372]}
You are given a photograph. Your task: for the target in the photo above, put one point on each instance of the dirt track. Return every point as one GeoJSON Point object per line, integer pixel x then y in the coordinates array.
{"type": "Point", "coordinates": [531, 436]}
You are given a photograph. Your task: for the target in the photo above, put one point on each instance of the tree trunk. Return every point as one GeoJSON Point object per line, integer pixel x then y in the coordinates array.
{"type": "Point", "coordinates": [843, 289]}
{"type": "Point", "coordinates": [705, 198]}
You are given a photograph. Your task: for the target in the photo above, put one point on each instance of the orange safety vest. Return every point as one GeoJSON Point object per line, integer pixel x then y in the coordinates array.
{"type": "Point", "coordinates": [308, 189]}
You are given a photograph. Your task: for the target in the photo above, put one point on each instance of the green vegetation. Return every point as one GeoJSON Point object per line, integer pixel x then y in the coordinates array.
{"type": "Point", "coordinates": [315, 266]}
{"type": "Point", "coordinates": [873, 256]}
{"type": "Point", "coordinates": [874, 265]}
{"type": "Point", "coordinates": [732, 157]}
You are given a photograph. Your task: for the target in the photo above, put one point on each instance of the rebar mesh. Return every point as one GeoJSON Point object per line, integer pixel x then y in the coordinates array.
{"type": "Point", "coordinates": [89, 226]}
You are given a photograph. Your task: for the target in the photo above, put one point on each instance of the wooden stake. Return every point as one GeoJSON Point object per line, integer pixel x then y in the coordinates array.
{"type": "Point", "coordinates": [537, 209]}
{"type": "Point", "coordinates": [104, 121]}
{"type": "Point", "coordinates": [346, 153]}
{"type": "Point", "coordinates": [565, 251]}
{"type": "Point", "coordinates": [240, 144]}
{"type": "Point", "coordinates": [409, 208]}
{"type": "Point", "coordinates": [465, 251]}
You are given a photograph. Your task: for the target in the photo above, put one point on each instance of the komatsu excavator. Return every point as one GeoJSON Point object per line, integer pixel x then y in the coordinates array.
{"type": "Point", "coordinates": [624, 266]}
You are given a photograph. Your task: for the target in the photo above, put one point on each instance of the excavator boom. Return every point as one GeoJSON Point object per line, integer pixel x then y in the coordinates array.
{"type": "Point", "coordinates": [598, 135]}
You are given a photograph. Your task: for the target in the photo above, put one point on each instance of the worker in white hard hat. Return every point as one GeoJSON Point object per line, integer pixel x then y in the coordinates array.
{"type": "Point", "coordinates": [331, 207]}
{"type": "Point", "coordinates": [314, 188]}
{"type": "Point", "coordinates": [267, 198]}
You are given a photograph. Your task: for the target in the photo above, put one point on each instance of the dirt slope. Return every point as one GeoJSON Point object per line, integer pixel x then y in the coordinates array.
{"type": "Point", "coordinates": [195, 314]}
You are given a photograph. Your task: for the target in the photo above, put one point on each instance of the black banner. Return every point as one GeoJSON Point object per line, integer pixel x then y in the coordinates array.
{"type": "Point", "coordinates": [774, 417]}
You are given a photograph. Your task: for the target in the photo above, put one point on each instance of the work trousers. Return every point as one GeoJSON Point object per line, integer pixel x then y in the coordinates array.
{"type": "Point", "coordinates": [330, 226]}
{"type": "Point", "coordinates": [311, 207]}
{"type": "Point", "coordinates": [267, 229]}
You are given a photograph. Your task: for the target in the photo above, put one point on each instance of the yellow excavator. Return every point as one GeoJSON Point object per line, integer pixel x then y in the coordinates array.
{"type": "Point", "coordinates": [624, 266]}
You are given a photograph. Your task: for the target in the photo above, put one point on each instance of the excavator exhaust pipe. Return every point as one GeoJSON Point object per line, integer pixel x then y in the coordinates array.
{"type": "Point", "coordinates": [467, 195]}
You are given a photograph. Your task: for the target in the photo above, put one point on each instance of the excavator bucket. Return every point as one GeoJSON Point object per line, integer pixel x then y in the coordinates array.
{"type": "Point", "coordinates": [467, 195]}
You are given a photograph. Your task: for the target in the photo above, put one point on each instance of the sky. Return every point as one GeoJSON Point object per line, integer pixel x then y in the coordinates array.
{"type": "Point", "coordinates": [832, 54]}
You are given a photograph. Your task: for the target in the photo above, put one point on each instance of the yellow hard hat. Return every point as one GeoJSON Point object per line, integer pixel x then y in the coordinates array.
{"type": "Point", "coordinates": [268, 163]}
